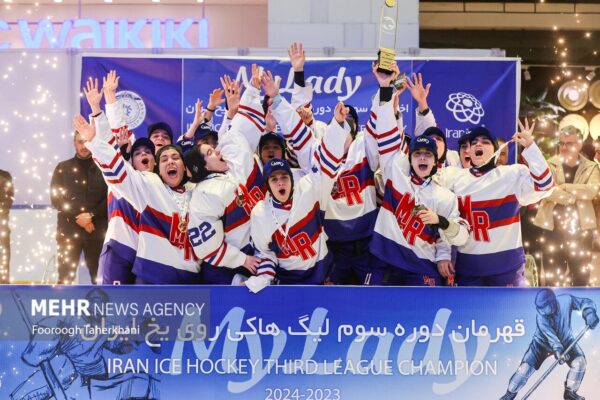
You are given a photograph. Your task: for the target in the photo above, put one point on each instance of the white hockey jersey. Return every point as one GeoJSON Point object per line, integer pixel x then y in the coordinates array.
{"type": "Point", "coordinates": [289, 238]}
{"type": "Point", "coordinates": [401, 238]}
{"type": "Point", "coordinates": [490, 201]}
{"type": "Point", "coordinates": [219, 225]}
{"type": "Point", "coordinates": [164, 253]}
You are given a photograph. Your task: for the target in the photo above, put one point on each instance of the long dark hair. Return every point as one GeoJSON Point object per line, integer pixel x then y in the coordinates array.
{"type": "Point", "coordinates": [195, 162]}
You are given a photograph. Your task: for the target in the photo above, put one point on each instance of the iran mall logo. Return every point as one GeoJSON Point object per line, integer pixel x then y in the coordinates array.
{"type": "Point", "coordinates": [134, 108]}
{"type": "Point", "coordinates": [465, 107]}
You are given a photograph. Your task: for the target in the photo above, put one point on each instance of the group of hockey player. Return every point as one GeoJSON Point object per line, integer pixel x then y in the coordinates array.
{"type": "Point", "coordinates": [322, 203]}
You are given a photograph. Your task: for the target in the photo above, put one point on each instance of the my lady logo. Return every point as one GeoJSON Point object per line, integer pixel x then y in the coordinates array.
{"type": "Point", "coordinates": [465, 107]}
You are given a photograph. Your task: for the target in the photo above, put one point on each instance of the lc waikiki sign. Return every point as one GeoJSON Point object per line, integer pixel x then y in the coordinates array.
{"type": "Point", "coordinates": [141, 33]}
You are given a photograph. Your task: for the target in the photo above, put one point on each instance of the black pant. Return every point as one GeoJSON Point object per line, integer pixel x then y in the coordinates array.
{"type": "Point", "coordinates": [69, 249]}
{"type": "Point", "coordinates": [563, 249]}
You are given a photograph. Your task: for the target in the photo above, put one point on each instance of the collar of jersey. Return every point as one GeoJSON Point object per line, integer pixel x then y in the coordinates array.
{"type": "Point", "coordinates": [286, 205]}
{"type": "Point", "coordinates": [484, 169]}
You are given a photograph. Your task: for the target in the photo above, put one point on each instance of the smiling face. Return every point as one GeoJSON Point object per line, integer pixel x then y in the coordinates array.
{"type": "Point", "coordinates": [143, 159]}
{"type": "Point", "coordinates": [280, 184]}
{"type": "Point", "coordinates": [160, 138]}
{"type": "Point", "coordinates": [422, 162]}
{"type": "Point", "coordinates": [465, 156]}
{"type": "Point", "coordinates": [271, 149]}
{"type": "Point", "coordinates": [171, 168]}
{"type": "Point", "coordinates": [482, 149]}
{"type": "Point", "coordinates": [213, 158]}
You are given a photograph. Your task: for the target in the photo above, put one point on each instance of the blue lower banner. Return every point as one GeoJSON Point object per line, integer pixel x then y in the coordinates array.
{"type": "Point", "coordinates": [298, 343]}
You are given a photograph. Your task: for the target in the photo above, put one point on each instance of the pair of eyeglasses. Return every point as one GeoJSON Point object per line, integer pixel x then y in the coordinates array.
{"type": "Point", "coordinates": [566, 144]}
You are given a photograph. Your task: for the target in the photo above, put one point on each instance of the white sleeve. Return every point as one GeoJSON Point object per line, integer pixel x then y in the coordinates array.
{"type": "Point", "coordinates": [225, 125]}
{"type": "Point", "coordinates": [268, 260]}
{"type": "Point", "coordinates": [536, 182]}
{"type": "Point", "coordinates": [298, 136]}
{"type": "Point", "coordinates": [250, 119]}
{"type": "Point", "coordinates": [457, 233]}
{"type": "Point", "coordinates": [443, 250]}
{"type": "Point", "coordinates": [118, 174]}
{"type": "Point", "coordinates": [328, 156]}
{"type": "Point", "coordinates": [422, 122]}
{"type": "Point", "coordinates": [302, 95]}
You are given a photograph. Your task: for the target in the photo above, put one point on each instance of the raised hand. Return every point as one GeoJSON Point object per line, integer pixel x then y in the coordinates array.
{"type": "Point", "coordinates": [297, 56]}
{"type": "Point", "coordinates": [86, 130]}
{"type": "Point", "coordinates": [215, 99]}
{"type": "Point", "coordinates": [256, 74]}
{"type": "Point", "coordinates": [385, 79]}
{"type": "Point", "coordinates": [233, 91]}
{"type": "Point", "coordinates": [93, 95]}
{"type": "Point", "coordinates": [340, 113]}
{"type": "Point", "coordinates": [123, 137]}
{"type": "Point", "coordinates": [270, 85]}
{"type": "Point", "coordinates": [110, 83]}
{"type": "Point", "coordinates": [306, 115]}
{"type": "Point", "coordinates": [418, 91]}
{"type": "Point", "coordinates": [270, 123]}
{"type": "Point", "coordinates": [525, 134]}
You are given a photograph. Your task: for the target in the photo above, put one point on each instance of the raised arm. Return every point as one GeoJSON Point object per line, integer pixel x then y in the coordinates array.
{"type": "Point", "coordinates": [118, 174]}
{"type": "Point", "coordinates": [298, 136]}
{"type": "Point", "coordinates": [534, 182]}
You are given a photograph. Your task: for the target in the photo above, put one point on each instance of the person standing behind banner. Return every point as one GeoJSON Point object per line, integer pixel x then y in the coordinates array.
{"type": "Point", "coordinates": [79, 193]}
{"type": "Point", "coordinates": [287, 226]}
{"type": "Point", "coordinates": [229, 184]}
{"type": "Point", "coordinates": [164, 254]}
{"type": "Point", "coordinates": [418, 219]}
{"type": "Point", "coordinates": [490, 198]}
{"type": "Point", "coordinates": [7, 196]}
{"type": "Point", "coordinates": [567, 217]}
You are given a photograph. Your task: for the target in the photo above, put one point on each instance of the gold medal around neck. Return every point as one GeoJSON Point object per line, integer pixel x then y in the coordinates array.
{"type": "Point", "coordinates": [182, 226]}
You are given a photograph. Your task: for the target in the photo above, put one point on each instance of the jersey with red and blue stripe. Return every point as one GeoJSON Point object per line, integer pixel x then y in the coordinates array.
{"type": "Point", "coordinates": [164, 254]}
{"type": "Point", "coordinates": [123, 220]}
{"type": "Point", "coordinates": [221, 204]}
{"type": "Point", "coordinates": [352, 207]}
{"type": "Point", "coordinates": [490, 201]}
{"type": "Point", "coordinates": [289, 238]}
{"type": "Point", "coordinates": [400, 237]}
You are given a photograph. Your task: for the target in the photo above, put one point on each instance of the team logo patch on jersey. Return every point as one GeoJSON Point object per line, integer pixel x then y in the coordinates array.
{"type": "Point", "coordinates": [134, 108]}
{"type": "Point", "coordinates": [465, 107]}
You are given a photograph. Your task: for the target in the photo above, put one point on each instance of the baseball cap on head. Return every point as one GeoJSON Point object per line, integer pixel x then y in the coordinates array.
{"type": "Point", "coordinates": [143, 142]}
{"type": "Point", "coordinates": [203, 131]}
{"type": "Point", "coordinates": [274, 165]}
{"type": "Point", "coordinates": [270, 136]}
{"type": "Point", "coordinates": [161, 125]}
{"type": "Point", "coordinates": [483, 131]}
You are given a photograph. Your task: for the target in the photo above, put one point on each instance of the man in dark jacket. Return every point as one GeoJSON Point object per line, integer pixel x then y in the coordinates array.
{"type": "Point", "coordinates": [7, 194]}
{"type": "Point", "coordinates": [78, 192]}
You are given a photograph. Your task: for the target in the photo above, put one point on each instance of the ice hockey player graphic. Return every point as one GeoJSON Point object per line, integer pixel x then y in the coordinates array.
{"type": "Point", "coordinates": [69, 367]}
{"type": "Point", "coordinates": [553, 336]}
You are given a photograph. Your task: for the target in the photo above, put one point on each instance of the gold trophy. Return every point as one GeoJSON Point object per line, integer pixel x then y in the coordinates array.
{"type": "Point", "coordinates": [388, 26]}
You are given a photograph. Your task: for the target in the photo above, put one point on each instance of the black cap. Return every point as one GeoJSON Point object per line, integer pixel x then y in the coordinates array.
{"type": "Point", "coordinates": [143, 142]}
{"type": "Point", "coordinates": [161, 125]}
{"type": "Point", "coordinates": [270, 136]}
{"type": "Point", "coordinates": [482, 131]}
{"type": "Point", "coordinates": [203, 131]}
{"type": "Point", "coordinates": [435, 131]}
